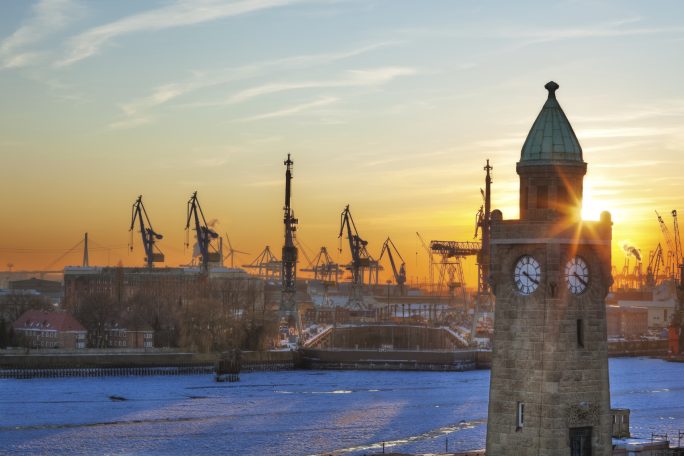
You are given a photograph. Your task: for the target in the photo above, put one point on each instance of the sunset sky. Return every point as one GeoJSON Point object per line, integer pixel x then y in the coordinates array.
{"type": "Point", "coordinates": [389, 106]}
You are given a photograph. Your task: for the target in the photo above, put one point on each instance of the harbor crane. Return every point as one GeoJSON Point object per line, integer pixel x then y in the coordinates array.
{"type": "Point", "coordinates": [266, 264]}
{"type": "Point", "coordinates": [149, 236]}
{"type": "Point", "coordinates": [670, 262]}
{"type": "Point", "coordinates": [482, 224]}
{"type": "Point", "coordinates": [400, 274]}
{"type": "Point", "coordinates": [431, 277]}
{"type": "Point", "coordinates": [203, 233]}
{"type": "Point", "coordinates": [655, 260]}
{"type": "Point", "coordinates": [361, 259]}
{"type": "Point", "coordinates": [324, 268]}
{"type": "Point", "coordinates": [677, 243]}
{"type": "Point", "coordinates": [288, 274]}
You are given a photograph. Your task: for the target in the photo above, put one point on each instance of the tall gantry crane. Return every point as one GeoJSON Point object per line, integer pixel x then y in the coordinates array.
{"type": "Point", "coordinates": [361, 259]}
{"type": "Point", "coordinates": [149, 236]}
{"type": "Point", "coordinates": [451, 267]}
{"type": "Point", "coordinates": [288, 275]}
{"type": "Point", "coordinates": [203, 233]}
{"type": "Point", "coordinates": [399, 274]}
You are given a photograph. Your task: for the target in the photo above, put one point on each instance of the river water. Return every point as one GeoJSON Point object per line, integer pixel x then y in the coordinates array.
{"type": "Point", "coordinates": [292, 413]}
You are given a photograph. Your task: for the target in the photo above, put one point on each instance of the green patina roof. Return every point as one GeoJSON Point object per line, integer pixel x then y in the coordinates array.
{"type": "Point", "coordinates": [551, 136]}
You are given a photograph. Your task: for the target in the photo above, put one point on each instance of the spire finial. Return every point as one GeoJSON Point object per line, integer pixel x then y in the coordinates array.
{"type": "Point", "coordinates": [551, 87]}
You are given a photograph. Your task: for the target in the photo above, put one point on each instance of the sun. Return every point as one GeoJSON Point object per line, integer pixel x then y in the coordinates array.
{"type": "Point", "coordinates": [592, 206]}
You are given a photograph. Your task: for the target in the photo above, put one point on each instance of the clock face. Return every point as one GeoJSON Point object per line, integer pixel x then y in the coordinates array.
{"type": "Point", "coordinates": [577, 275]}
{"type": "Point", "coordinates": [527, 275]}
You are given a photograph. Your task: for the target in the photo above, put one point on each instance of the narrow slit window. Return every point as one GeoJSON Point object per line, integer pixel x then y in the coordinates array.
{"type": "Point", "coordinates": [542, 197]}
{"type": "Point", "coordinates": [520, 415]}
{"type": "Point", "coordinates": [562, 200]}
{"type": "Point", "coordinates": [580, 333]}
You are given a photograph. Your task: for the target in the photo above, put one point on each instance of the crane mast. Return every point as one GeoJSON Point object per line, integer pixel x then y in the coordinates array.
{"type": "Point", "coordinates": [149, 236]}
{"type": "Point", "coordinates": [677, 245]}
{"type": "Point", "coordinates": [483, 223]}
{"type": "Point", "coordinates": [203, 233]}
{"type": "Point", "coordinates": [288, 274]}
{"type": "Point", "coordinates": [399, 274]}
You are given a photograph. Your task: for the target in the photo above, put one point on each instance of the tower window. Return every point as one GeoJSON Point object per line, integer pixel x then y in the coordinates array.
{"type": "Point", "coordinates": [562, 197]}
{"type": "Point", "coordinates": [580, 333]}
{"type": "Point", "coordinates": [542, 197]}
{"type": "Point", "coordinates": [520, 415]}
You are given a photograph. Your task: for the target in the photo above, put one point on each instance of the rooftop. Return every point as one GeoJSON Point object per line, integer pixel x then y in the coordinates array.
{"type": "Point", "coordinates": [551, 137]}
{"type": "Point", "coordinates": [39, 319]}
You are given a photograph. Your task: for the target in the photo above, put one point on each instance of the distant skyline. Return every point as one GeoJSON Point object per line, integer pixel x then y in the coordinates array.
{"type": "Point", "coordinates": [389, 106]}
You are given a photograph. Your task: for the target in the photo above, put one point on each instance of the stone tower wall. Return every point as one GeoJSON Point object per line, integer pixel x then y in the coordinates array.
{"type": "Point", "coordinates": [536, 358]}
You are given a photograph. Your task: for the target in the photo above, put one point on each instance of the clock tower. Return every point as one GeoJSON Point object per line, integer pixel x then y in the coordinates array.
{"type": "Point", "coordinates": [550, 273]}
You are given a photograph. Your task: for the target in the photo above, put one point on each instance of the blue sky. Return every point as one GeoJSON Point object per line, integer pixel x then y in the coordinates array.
{"type": "Point", "coordinates": [390, 106]}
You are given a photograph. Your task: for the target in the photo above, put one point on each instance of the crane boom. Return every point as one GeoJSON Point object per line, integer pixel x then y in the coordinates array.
{"type": "Point", "coordinates": [203, 233]}
{"type": "Point", "coordinates": [149, 236]}
{"type": "Point", "coordinates": [677, 241]}
{"type": "Point", "coordinates": [360, 257]}
{"type": "Point", "coordinates": [399, 274]}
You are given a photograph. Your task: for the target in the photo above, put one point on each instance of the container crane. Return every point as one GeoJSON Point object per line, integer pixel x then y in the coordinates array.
{"type": "Point", "coordinates": [324, 268]}
{"type": "Point", "coordinates": [203, 233]}
{"type": "Point", "coordinates": [361, 259]}
{"type": "Point", "coordinates": [266, 264]}
{"type": "Point", "coordinates": [400, 274]}
{"type": "Point", "coordinates": [149, 236]}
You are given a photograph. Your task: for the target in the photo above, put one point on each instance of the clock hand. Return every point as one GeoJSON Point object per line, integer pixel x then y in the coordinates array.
{"type": "Point", "coordinates": [530, 277]}
{"type": "Point", "coordinates": [584, 282]}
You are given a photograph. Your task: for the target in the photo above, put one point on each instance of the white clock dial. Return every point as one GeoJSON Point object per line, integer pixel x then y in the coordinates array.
{"type": "Point", "coordinates": [527, 275]}
{"type": "Point", "coordinates": [577, 275]}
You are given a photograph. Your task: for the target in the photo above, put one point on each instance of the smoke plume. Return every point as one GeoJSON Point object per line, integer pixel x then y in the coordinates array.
{"type": "Point", "coordinates": [631, 250]}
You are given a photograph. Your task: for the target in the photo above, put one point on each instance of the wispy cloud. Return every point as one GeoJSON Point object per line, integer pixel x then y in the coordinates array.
{"type": "Point", "coordinates": [535, 35]}
{"type": "Point", "coordinates": [354, 78]}
{"type": "Point", "coordinates": [622, 132]}
{"type": "Point", "coordinates": [663, 109]}
{"type": "Point", "coordinates": [182, 13]}
{"type": "Point", "coordinates": [130, 122]}
{"type": "Point", "coordinates": [201, 80]}
{"type": "Point", "coordinates": [616, 28]}
{"type": "Point", "coordinates": [293, 110]}
{"type": "Point", "coordinates": [48, 17]}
